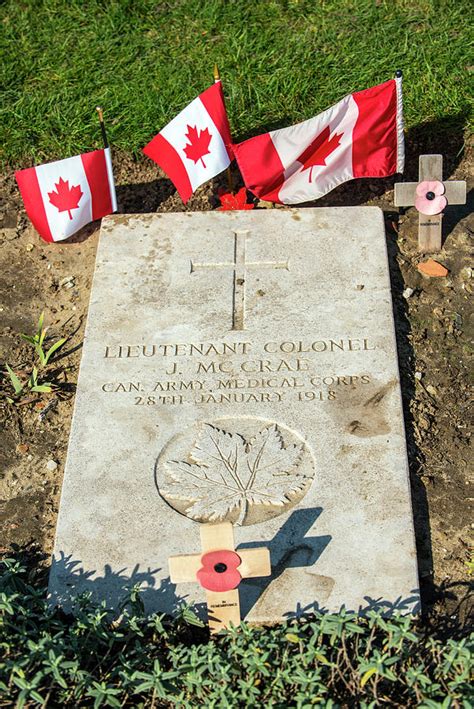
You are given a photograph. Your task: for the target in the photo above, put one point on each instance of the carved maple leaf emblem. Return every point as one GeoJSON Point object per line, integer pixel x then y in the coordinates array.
{"type": "Point", "coordinates": [198, 144]}
{"type": "Point", "coordinates": [318, 150]}
{"type": "Point", "coordinates": [226, 472]}
{"type": "Point", "coordinates": [65, 198]}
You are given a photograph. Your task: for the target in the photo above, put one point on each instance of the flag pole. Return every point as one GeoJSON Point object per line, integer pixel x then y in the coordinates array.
{"type": "Point", "coordinates": [102, 126]}
{"type": "Point", "coordinates": [217, 77]}
{"type": "Point", "coordinates": [108, 159]}
{"type": "Point", "coordinates": [400, 122]}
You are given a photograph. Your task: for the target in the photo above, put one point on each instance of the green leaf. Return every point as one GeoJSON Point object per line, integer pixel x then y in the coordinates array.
{"type": "Point", "coordinates": [17, 385]}
{"type": "Point", "coordinates": [42, 387]}
{"type": "Point", "coordinates": [353, 627]}
{"type": "Point", "coordinates": [292, 638]}
{"type": "Point", "coordinates": [53, 348]}
{"type": "Point", "coordinates": [20, 682]}
{"type": "Point", "coordinates": [322, 658]}
{"type": "Point", "coordinates": [41, 355]}
{"type": "Point", "coordinates": [33, 380]}
{"type": "Point", "coordinates": [367, 675]}
{"type": "Point", "coordinates": [36, 696]}
{"type": "Point", "coordinates": [28, 338]}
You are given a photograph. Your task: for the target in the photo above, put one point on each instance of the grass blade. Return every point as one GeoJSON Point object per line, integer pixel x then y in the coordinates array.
{"type": "Point", "coordinates": [17, 385]}
{"type": "Point", "coordinates": [42, 387]}
{"type": "Point", "coordinates": [33, 380]}
{"type": "Point", "coordinates": [53, 349]}
{"type": "Point", "coordinates": [41, 355]}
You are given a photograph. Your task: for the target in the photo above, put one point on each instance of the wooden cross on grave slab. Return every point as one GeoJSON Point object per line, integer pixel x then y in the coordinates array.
{"type": "Point", "coordinates": [219, 569]}
{"type": "Point", "coordinates": [430, 196]}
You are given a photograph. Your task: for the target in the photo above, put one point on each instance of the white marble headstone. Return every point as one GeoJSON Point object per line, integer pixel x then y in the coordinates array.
{"type": "Point", "coordinates": [240, 366]}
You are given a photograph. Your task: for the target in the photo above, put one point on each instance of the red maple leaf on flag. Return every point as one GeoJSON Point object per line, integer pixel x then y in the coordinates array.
{"type": "Point", "coordinates": [65, 198]}
{"type": "Point", "coordinates": [231, 202]}
{"type": "Point", "coordinates": [198, 144]}
{"type": "Point", "coordinates": [318, 150]}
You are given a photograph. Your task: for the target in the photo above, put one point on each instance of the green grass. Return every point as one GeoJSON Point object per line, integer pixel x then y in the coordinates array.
{"type": "Point", "coordinates": [281, 61]}
{"type": "Point", "coordinates": [49, 660]}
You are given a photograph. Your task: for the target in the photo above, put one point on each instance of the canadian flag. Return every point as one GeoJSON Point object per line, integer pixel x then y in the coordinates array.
{"type": "Point", "coordinates": [196, 145]}
{"type": "Point", "coordinates": [63, 196]}
{"type": "Point", "coordinates": [361, 136]}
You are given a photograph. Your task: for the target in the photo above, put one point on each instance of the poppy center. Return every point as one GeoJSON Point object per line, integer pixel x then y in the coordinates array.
{"type": "Point", "coordinates": [220, 568]}
{"type": "Point", "coordinates": [430, 195]}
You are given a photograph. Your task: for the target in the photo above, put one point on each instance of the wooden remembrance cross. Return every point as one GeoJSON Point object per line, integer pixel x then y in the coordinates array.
{"type": "Point", "coordinates": [239, 266]}
{"type": "Point", "coordinates": [219, 569]}
{"type": "Point", "coordinates": [409, 194]}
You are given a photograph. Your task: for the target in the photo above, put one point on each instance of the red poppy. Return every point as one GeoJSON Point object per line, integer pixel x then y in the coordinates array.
{"type": "Point", "coordinates": [219, 570]}
{"type": "Point", "coordinates": [429, 197]}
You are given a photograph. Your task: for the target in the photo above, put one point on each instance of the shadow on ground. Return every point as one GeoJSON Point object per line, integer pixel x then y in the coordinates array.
{"type": "Point", "coordinates": [143, 197]}
{"type": "Point", "coordinates": [406, 360]}
{"type": "Point", "coordinates": [444, 135]}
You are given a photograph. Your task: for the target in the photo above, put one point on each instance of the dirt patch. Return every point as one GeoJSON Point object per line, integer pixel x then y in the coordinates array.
{"type": "Point", "coordinates": [434, 332]}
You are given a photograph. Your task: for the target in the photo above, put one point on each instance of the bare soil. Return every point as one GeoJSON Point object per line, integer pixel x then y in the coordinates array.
{"type": "Point", "coordinates": [434, 329]}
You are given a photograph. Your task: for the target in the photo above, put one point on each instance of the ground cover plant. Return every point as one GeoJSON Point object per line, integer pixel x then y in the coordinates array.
{"type": "Point", "coordinates": [281, 62]}
{"type": "Point", "coordinates": [47, 659]}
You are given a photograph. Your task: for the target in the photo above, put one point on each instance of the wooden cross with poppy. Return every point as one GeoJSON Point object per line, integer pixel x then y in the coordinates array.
{"type": "Point", "coordinates": [430, 195]}
{"type": "Point", "coordinates": [219, 569]}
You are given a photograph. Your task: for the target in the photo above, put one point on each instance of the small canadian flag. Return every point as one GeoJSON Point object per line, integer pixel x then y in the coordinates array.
{"type": "Point", "coordinates": [63, 196]}
{"type": "Point", "coordinates": [361, 136]}
{"type": "Point", "coordinates": [196, 145]}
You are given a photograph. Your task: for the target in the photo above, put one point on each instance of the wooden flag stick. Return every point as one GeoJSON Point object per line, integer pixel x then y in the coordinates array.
{"type": "Point", "coordinates": [108, 159]}
{"type": "Point", "coordinates": [102, 126]}
{"type": "Point", "coordinates": [230, 184]}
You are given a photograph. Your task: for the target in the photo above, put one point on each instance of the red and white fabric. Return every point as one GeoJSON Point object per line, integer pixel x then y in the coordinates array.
{"type": "Point", "coordinates": [63, 196]}
{"type": "Point", "coordinates": [196, 145]}
{"type": "Point", "coordinates": [361, 136]}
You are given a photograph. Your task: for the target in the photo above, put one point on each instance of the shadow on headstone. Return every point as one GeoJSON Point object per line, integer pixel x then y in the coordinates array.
{"type": "Point", "coordinates": [399, 606]}
{"type": "Point", "coordinates": [453, 623]}
{"type": "Point", "coordinates": [290, 548]}
{"type": "Point", "coordinates": [69, 580]}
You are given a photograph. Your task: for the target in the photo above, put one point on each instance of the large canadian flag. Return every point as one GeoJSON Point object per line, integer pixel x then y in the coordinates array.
{"type": "Point", "coordinates": [63, 196]}
{"type": "Point", "coordinates": [361, 136]}
{"type": "Point", "coordinates": [196, 145]}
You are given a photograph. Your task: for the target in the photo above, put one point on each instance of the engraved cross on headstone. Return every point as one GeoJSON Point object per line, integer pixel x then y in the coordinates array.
{"type": "Point", "coordinates": [239, 266]}
{"type": "Point", "coordinates": [454, 192]}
